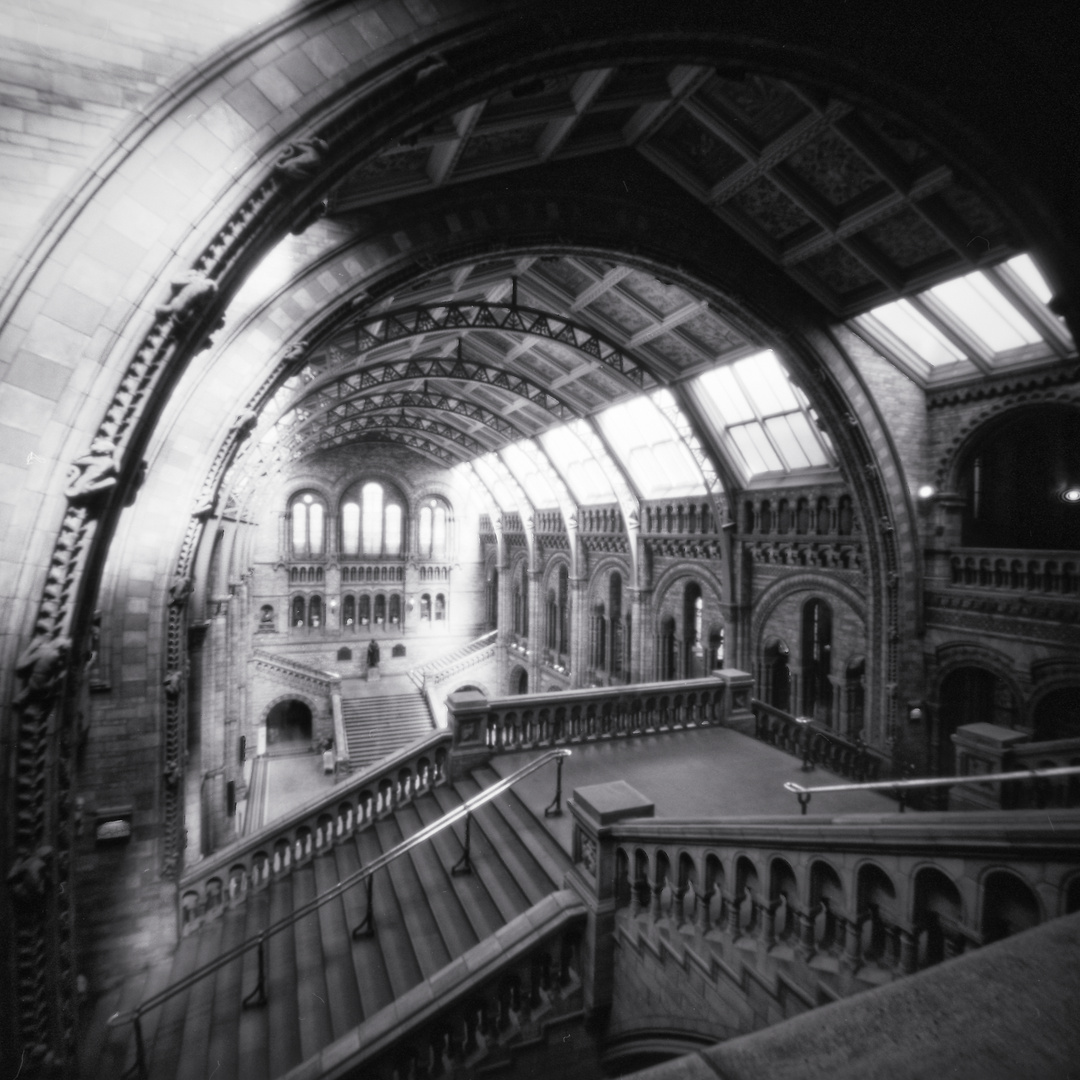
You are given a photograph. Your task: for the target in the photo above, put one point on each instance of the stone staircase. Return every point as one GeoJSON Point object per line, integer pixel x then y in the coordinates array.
{"type": "Point", "coordinates": [321, 981]}
{"type": "Point", "coordinates": [377, 726]}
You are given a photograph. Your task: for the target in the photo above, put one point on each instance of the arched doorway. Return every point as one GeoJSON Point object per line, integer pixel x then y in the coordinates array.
{"type": "Point", "coordinates": [968, 695]}
{"type": "Point", "coordinates": [1057, 715]}
{"type": "Point", "coordinates": [288, 722]}
{"type": "Point", "coordinates": [519, 681]}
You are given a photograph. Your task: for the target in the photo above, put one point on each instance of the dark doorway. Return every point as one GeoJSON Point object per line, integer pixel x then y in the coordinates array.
{"type": "Point", "coordinates": [1057, 716]}
{"type": "Point", "coordinates": [288, 721]}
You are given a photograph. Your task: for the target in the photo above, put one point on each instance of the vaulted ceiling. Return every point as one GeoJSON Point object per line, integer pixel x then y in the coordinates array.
{"type": "Point", "coordinates": [852, 209]}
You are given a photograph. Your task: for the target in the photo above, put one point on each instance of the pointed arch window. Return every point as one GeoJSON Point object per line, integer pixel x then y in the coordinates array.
{"type": "Point", "coordinates": [433, 534]}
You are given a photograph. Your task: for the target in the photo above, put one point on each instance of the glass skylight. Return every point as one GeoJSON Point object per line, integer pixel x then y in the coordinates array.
{"type": "Point", "coordinates": [764, 420]}
{"type": "Point", "coordinates": [518, 458]}
{"type": "Point", "coordinates": [500, 491]}
{"type": "Point", "coordinates": [985, 313]}
{"type": "Point", "coordinates": [915, 331]}
{"type": "Point", "coordinates": [649, 447]}
{"type": "Point", "coordinates": [578, 467]}
{"type": "Point", "coordinates": [1026, 270]}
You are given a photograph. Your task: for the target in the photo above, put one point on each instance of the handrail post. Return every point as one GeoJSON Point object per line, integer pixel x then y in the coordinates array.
{"type": "Point", "coordinates": [138, 1066]}
{"type": "Point", "coordinates": [366, 927]}
{"type": "Point", "coordinates": [464, 864]}
{"type": "Point", "coordinates": [257, 996]}
{"type": "Point", "coordinates": [555, 809]}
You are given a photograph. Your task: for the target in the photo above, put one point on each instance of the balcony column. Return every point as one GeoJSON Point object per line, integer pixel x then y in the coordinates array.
{"type": "Point", "coordinates": [504, 603]}
{"type": "Point", "coordinates": [579, 633]}
{"type": "Point", "coordinates": [536, 643]}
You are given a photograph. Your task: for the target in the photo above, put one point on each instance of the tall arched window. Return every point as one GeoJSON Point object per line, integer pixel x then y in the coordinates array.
{"type": "Point", "coordinates": [315, 615]}
{"type": "Point", "coordinates": [564, 603]}
{"type": "Point", "coordinates": [299, 611]}
{"type": "Point", "coordinates": [308, 516]}
{"type": "Point", "coordinates": [395, 609]}
{"type": "Point", "coordinates": [817, 660]}
{"type": "Point", "coordinates": [434, 530]}
{"type": "Point", "coordinates": [372, 520]}
{"type": "Point", "coordinates": [348, 611]}
{"type": "Point", "coordinates": [615, 614]}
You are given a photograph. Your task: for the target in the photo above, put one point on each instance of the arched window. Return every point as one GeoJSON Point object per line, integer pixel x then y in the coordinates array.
{"type": "Point", "coordinates": [493, 601]}
{"type": "Point", "coordinates": [778, 676]}
{"type": "Point", "coordinates": [440, 607]}
{"type": "Point", "coordinates": [616, 616]}
{"type": "Point", "coordinates": [395, 609]}
{"type": "Point", "coordinates": [380, 609]}
{"type": "Point", "coordinates": [348, 611]}
{"type": "Point", "coordinates": [564, 603]}
{"type": "Point", "coordinates": [372, 520]}
{"type": "Point", "coordinates": [693, 659]}
{"type": "Point", "coordinates": [817, 660]}
{"type": "Point", "coordinates": [299, 611]}
{"type": "Point", "coordinates": [425, 608]}
{"type": "Point", "coordinates": [365, 610]}
{"type": "Point", "coordinates": [552, 621]}
{"type": "Point", "coordinates": [308, 516]}
{"type": "Point", "coordinates": [433, 537]}
{"type": "Point", "coordinates": [1015, 480]}
{"type": "Point", "coordinates": [315, 615]}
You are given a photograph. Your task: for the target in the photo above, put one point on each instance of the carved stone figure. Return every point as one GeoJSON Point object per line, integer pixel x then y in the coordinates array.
{"type": "Point", "coordinates": [192, 290]}
{"type": "Point", "coordinates": [172, 682]}
{"type": "Point", "coordinates": [179, 590]}
{"type": "Point", "coordinates": [301, 160]}
{"type": "Point", "coordinates": [42, 665]}
{"type": "Point", "coordinates": [26, 878]}
{"type": "Point", "coordinates": [93, 473]}
{"type": "Point", "coordinates": [373, 654]}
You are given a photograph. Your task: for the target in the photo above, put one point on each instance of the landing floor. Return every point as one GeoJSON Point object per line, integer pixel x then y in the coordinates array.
{"type": "Point", "coordinates": [704, 772]}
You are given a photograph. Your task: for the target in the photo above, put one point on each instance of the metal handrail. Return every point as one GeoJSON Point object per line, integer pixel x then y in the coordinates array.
{"type": "Point", "coordinates": [901, 786]}
{"type": "Point", "coordinates": [258, 996]}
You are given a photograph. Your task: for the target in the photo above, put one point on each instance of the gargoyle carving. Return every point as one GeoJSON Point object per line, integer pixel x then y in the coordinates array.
{"type": "Point", "coordinates": [42, 666]}
{"type": "Point", "coordinates": [192, 290]}
{"type": "Point", "coordinates": [172, 774]}
{"type": "Point", "coordinates": [244, 420]}
{"type": "Point", "coordinates": [26, 878]}
{"type": "Point", "coordinates": [93, 473]}
{"type": "Point", "coordinates": [172, 682]}
{"type": "Point", "coordinates": [179, 590]}
{"type": "Point", "coordinates": [301, 160]}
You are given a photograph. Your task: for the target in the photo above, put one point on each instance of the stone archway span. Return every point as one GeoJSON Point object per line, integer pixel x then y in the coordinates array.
{"type": "Point", "coordinates": [155, 297]}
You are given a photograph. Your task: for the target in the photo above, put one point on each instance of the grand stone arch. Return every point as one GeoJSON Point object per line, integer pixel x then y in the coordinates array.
{"type": "Point", "coordinates": [158, 297]}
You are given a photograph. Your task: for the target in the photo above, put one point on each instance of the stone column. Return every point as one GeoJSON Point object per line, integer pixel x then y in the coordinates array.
{"type": "Point", "coordinates": [595, 809]}
{"type": "Point", "coordinates": [536, 622]}
{"type": "Point", "coordinates": [579, 633]}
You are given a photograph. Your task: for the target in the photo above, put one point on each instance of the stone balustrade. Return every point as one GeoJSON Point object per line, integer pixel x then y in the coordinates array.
{"type": "Point", "coordinates": [814, 744]}
{"type": "Point", "coordinates": [295, 670]}
{"type": "Point", "coordinates": [822, 906]}
{"type": "Point", "coordinates": [504, 992]}
{"type": "Point", "coordinates": [482, 727]}
{"type": "Point", "coordinates": [228, 876]}
{"type": "Point", "coordinates": [1052, 572]}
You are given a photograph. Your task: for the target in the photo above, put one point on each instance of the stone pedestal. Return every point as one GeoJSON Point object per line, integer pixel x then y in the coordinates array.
{"type": "Point", "coordinates": [740, 689]}
{"type": "Point", "coordinates": [592, 877]}
{"type": "Point", "coordinates": [372, 674]}
{"type": "Point", "coordinates": [982, 749]}
{"type": "Point", "coordinates": [466, 716]}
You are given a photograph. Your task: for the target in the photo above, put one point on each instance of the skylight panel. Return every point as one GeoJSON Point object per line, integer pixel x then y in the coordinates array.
{"type": "Point", "coordinates": [495, 484]}
{"type": "Point", "coordinates": [651, 450]}
{"type": "Point", "coordinates": [518, 459]}
{"type": "Point", "coordinates": [796, 441]}
{"type": "Point", "coordinates": [725, 396]}
{"type": "Point", "coordinates": [755, 448]}
{"type": "Point", "coordinates": [985, 313]}
{"type": "Point", "coordinates": [579, 469]}
{"type": "Point", "coordinates": [902, 319]}
{"type": "Point", "coordinates": [1025, 269]}
{"type": "Point", "coordinates": [766, 384]}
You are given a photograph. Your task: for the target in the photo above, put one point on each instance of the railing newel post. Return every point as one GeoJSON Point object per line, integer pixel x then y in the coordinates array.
{"type": "Point", "coordinates": [464, 864]}
{"type": "Point", "coordinates": [257, 996]}
{"type": "Point", "coordinates": [555, 809]}
{"type": "Point", "coordinates": [366, 927]}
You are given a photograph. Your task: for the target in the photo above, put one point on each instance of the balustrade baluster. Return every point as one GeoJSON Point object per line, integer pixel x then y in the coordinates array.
{"type": "Point", "coordinates": [908, 952]}
{"type": "Point", "coordinates": [701, 912]}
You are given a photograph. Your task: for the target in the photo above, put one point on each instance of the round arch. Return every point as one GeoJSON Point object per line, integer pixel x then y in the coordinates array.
{"type": "Point", "coordinates": [171, 284]}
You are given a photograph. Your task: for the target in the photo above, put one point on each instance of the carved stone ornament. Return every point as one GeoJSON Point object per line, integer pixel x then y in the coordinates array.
{"type": "Point", "coordinates": [26, 878]}
{"type": "Point", "coordinates": [192, 290]}
{"type": "Point", "coordinates": [172, 774]}
{"type": "Point", "coordinates": [244, 421]}
{"type": "Point", "coordinates": [301, 160]}
{"type": "Point", "coordinates": [93, 473]}
{"type": "Point", "coordinates": [179, 590]}
{"type": "Point", "coordinates": [295, 351]}
{"type": "Point", "coordinates": [172, 682]}
{"type": "Point", "coordinates": [42, 665]}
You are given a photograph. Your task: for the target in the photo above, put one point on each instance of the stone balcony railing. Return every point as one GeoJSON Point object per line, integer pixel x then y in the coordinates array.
{"type": "Point", "coordinates": [1055, 573]}
{"type": "Point", "coordinates": [227, 877]}
{"type": "Point", "coordinates": [482, 726]}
